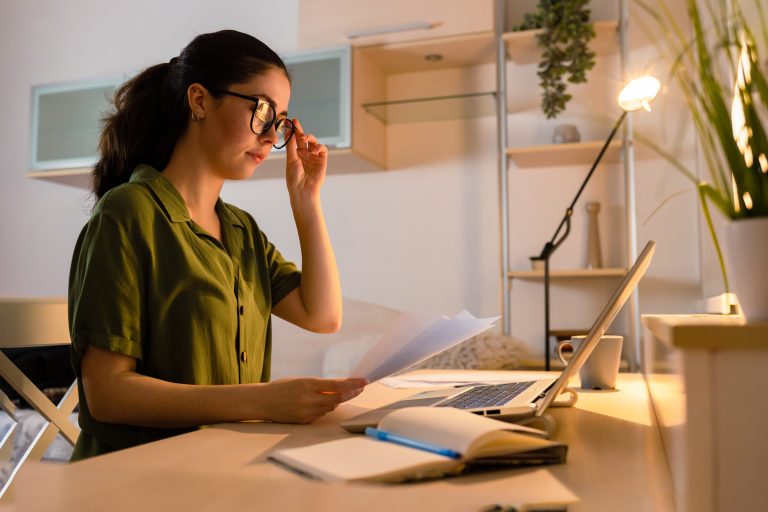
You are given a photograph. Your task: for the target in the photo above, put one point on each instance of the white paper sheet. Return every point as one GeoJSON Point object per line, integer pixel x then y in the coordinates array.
{"type": "Point", "coordinates": [415, 338]}
{"type": "Point", "coordinates": [458, 378]}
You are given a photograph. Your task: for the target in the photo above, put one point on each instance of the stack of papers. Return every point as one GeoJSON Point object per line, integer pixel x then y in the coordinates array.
{"type": "Point", "coordinates": [414, 338]}
{"type": "Point", "coordinates": [459, 378]}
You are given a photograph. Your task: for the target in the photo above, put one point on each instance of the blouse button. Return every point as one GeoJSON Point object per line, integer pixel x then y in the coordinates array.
{"type": "Point", "coordinates": [243, 356]}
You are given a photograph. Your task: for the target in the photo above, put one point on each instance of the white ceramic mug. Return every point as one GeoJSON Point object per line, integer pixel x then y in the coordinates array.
{"type": "Point", "coordinates": [600, 369]}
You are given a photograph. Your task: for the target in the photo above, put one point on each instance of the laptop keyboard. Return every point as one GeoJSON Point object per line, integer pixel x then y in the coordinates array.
{"type": "Point", "coordinates": [487, 396]}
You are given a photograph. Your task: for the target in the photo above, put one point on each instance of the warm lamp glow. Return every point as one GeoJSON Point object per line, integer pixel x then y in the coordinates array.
{"type": "Point", "coordinates": [738, 121]}
{"type": "Point", "coordinates": [639, 93]}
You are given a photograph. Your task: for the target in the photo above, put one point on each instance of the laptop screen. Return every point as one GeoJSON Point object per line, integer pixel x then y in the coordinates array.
{"type": "Point", "coordinates": [604, 320]}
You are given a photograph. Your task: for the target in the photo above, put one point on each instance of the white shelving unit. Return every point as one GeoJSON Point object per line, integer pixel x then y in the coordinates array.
{"type": "Point", "coordinates": [520, 48]}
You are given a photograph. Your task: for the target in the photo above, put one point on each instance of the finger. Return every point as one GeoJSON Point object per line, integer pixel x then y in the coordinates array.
{"type": "Point", "coordinates": [308, 142]}
{"type": "Point", "coordinates": [360, 382]}
{"type": "Point", "coordinates": [320, 385]}
{"type": "Point", "coordinates": [299, 133]}
{"type": "Point", "coordinates": [297, 125]}
{"type": "Point", "coordinates": [343, 385]}
{"type": "Point", "coordinates": [318, 150]}
{"type": "Point", "coordinates": [292, 147]}
{"type": "Point", "coordinates": [309, 139]}
{"type": "Point", "coordinates": [349, 395]}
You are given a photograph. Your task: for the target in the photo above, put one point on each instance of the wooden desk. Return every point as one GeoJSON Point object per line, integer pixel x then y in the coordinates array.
{"type": "Point", "coordinates": [615, 463]}
{"type": "Point", "coordinates": [707, 380]}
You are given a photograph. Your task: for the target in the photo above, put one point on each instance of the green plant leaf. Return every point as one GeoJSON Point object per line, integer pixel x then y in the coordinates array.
{"type": "Point", "coordinates": [566, 56]}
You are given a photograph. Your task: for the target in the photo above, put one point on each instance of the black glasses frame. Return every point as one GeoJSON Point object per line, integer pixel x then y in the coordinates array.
{"type": "Point", "coordinates": [278, 123]}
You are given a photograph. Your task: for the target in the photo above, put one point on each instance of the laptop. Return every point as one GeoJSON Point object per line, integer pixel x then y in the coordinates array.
{"type": "Point", "coordinates": [514, 401]}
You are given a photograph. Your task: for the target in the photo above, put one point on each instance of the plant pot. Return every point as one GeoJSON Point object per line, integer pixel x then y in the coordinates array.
{"type": "Point", "coordinates": [746, 254]}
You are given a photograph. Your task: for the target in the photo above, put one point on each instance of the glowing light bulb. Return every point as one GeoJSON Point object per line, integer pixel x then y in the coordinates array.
{"type": "Point", "coordinates": [639, 93]}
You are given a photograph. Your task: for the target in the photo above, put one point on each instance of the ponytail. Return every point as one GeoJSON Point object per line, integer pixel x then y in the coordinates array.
{"type": "Point", "coordinates": [151, 109]}
{"type": "Point", "coordinates": [147, 122]}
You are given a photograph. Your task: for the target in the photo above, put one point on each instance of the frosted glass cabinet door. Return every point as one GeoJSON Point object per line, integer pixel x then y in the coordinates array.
{"type": "Point", "coordinates": [320, 94]}
{"type": "Point", "coordinates": [66, 119]}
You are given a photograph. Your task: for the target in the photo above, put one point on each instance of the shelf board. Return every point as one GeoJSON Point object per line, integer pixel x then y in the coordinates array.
{"type": "Point", "coordinates": [522, 47]}
{"type": "Point", "coordinates": [79, 177]}
{"type": "Point", "coordinates": [572, 153]}
{"type": "Point", "coordinates": [567, 273]}
{"type": "Point", "coordinates": [456, 51]}
{"type": "Point", "coordinates": [437, 108]}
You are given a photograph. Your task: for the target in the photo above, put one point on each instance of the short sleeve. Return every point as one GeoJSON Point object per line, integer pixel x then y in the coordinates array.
{"type": "Point", "coordinates": [106, 288]}
{"type": "Point", "coordinates": [284, 276]}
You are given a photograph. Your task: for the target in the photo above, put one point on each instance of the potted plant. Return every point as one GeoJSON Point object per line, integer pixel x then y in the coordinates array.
{"type": "Point", "coordinates": [724, 84]}
{"type": "Point", "coordinates": [564, 39]}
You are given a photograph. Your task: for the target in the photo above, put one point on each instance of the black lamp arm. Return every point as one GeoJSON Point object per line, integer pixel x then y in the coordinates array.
{"type": "Point", "coordinates": [554, 243]}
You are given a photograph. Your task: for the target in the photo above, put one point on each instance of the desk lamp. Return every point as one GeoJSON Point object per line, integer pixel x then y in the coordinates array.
{"type": "Point", "coordinates": [637, 94]}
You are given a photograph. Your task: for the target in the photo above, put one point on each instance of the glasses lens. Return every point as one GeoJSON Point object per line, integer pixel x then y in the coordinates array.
{"type": "Point", "coordinates": [262, 118]}
{"type": "Point", "coordinates": [284, 128]}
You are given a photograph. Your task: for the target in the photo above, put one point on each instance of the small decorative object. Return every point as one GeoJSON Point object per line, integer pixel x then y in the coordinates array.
{"type": "Point", "coordinates": [594, 255]}
{"type": "Point", "coordinates": [564, 40]}
{"type": "Point", "coordinates": [565, 133]}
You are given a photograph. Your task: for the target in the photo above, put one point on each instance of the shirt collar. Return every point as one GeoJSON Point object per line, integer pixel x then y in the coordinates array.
{"type": "Point", "coordinates": [166, 193]}
{"type": "Point", "coordinates": [171, 200]}
{"type": "Point", "coordinates": [226, 214]}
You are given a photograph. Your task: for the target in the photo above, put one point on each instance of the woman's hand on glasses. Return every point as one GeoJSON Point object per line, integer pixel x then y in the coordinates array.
{"type": "Point", "coordinates": [305, 164]}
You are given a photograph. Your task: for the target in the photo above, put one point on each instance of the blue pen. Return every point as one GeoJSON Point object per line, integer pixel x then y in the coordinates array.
{"type": "Point", "coordinates": [394, 438]}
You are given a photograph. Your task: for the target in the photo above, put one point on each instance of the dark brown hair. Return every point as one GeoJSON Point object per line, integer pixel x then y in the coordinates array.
{"type": "Point", "coordinates": [151, 109]}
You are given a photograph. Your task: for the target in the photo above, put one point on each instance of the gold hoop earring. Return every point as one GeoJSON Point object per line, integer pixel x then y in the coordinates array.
{"type": "Point", "coordinates": [195, 118]}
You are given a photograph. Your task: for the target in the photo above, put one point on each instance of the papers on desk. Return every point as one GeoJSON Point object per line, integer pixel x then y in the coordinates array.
{"type": "Point", "coordinates": [445, 379]}
{"type": "Point", "coordinates": [414, 338]}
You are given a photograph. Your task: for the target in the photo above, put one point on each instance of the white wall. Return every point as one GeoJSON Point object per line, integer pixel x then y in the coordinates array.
{"type": "Point", "coordinates": [423, 237]}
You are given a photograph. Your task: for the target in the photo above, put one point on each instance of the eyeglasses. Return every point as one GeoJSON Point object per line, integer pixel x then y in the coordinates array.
{"type": "Point", "coordinates": [264, 118]}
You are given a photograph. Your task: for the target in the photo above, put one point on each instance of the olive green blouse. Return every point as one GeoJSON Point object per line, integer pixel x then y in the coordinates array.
{"type": "Point", "coordinates": [148, 282]}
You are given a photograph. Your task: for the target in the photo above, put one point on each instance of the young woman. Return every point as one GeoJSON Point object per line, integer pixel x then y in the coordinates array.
{"type": "Point", "coordinates": [171, 290]}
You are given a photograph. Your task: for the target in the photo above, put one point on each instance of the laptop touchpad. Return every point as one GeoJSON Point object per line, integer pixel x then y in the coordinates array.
{"type": "Point", "coordinates": [414, 402]}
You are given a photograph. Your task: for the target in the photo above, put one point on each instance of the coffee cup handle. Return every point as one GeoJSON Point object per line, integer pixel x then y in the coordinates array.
{"type": "Point", "coordinates": [559, 351]}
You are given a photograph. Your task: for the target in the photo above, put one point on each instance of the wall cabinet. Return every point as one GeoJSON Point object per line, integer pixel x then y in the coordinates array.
{"type": "Point", "coordinates": [321, 96]}
{"type": "Point", "coordinates": [324, 23]}
{"type": "Point", "coordinates": [65, 124]}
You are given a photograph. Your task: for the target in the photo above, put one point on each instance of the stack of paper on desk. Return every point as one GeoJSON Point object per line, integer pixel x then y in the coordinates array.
{"type": "Point", "coordinates": [415, 338]}
{"type": "Point", "coordinates": [427, 442]}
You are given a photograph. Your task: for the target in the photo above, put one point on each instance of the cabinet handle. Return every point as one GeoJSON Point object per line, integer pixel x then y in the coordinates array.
{"type": "Point", "coordinates": [417, 25]}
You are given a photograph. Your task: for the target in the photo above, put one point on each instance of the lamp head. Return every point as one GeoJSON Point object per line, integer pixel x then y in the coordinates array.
{"type": "Point", "coordinates": [639, 93]}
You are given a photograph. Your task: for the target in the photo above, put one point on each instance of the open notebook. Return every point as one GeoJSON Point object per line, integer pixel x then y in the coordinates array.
{"type": "Point", "coordinates": [517, 400]}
